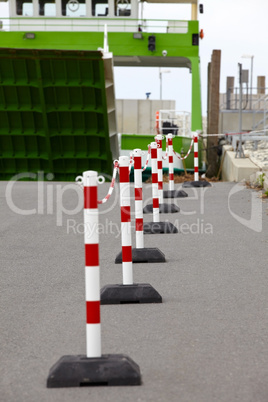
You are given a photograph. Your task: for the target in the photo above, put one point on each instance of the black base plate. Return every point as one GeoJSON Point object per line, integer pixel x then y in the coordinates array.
{"type": "Point", "coordinates": [127, 294]}
{"type": "Point", "coordinates": [199, 183]}
{"type": "Point", "coordinates": [163, 209]}
{"type": "Point", "coordinates": [159, 227]}
{"type": "Point", "coordinates": [143, 255]}
{"type": "Point", "coordinates": [80, 371]}
{"type": "Point", "coordinates": [174, 194]}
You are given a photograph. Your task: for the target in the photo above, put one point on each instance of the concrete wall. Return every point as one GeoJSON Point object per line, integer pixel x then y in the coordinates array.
{"type": "Point", "coordinates": [229, 120]}
{"type": "Point", "coordinates": [236, 169]}
{"type": "Point", "coordinates": [137, 116]}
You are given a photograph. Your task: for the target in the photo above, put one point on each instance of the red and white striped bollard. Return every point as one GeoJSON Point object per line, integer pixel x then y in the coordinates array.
{"type": "Point", "coordinates": [158, 140]}
{"type": "Point", "coordinates": [196, 173]}
{"type": "Point", "coordinates": [92, 269]}
{"type": "Point", "coordinates": [155, 195]}
{"type": "Point", "coordinates": [170, 162]}
{"type": "Point", "coordinates": [171, 193]}
{"type": "Point", "coordinates": [125, 220]}
{"type": "Point", "coordinates": [94, 368]}
{"type": "Point", "coordinates": [137, 154]}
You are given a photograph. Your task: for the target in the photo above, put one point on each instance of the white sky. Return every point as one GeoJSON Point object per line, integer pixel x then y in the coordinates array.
{"type": "Point", "coordinates": [236, 27]}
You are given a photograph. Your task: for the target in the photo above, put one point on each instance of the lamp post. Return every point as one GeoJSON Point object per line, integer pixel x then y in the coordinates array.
{"type": "Point", "coordinates": [160, 77]}
{"type": "Point", "coordinates": [249, 56]}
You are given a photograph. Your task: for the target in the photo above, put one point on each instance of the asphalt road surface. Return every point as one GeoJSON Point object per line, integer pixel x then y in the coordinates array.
{"type": "Point", "coordinates": [207, 341]}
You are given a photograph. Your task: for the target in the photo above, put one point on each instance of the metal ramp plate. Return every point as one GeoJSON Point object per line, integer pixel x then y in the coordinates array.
{"type": "Point", "coordinates": [57, 112]}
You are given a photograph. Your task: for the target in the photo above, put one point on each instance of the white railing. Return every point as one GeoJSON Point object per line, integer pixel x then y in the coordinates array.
{"type": "Point", "coordinates": [264, 100]}
{"type": "Point", "coordinates": [93, 25]}
{"type": "Point", "coordinates": [175, 121]}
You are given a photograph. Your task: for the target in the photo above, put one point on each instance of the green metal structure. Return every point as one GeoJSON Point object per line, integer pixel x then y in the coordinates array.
{"type": "Point", "coordinates": [53, 113]}
{"type": "Point", "coordinates": [57, 102]}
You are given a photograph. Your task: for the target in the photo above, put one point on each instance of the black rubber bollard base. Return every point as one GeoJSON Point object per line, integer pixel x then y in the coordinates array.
{"type": "Point", "coordinates": [143, 255]}
{"type": "Point", "coordinates": [128, 294]}
{"type": "Point", "coordinates": [199, 183]}
{"type": "Point", "coordinates": [163, 208]}
{"type": "Point", "coordinates": [80, 371]}
{"type": "Point", "coordinates": [174, 194]}
{"type": "Point", "coordinates": [159, 227]}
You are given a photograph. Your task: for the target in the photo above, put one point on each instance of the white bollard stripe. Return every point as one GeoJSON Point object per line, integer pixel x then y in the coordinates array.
{"type": "Point", "coordinates": [124, 189]}
{"type": "Point", "coordinates": [137, 178]}
{"type": "Point", "coordinates": [127, 273]}
{"type": "Point", "coordinates": [91, 223]}
{"type": "Point", "coordinates": [139, 209]}
{"type": "Point", "coordinates": [139, 239]}
{"type": "Point", "coordinates": [126, 233]}
{"type": "Point", "coordinates": [93, 338]}
{"type": "Point", "coordinates": [92, 275]}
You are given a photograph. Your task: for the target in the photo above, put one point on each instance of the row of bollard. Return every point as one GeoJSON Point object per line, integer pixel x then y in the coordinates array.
{"type": "Point", "coordinates": [94, 368]}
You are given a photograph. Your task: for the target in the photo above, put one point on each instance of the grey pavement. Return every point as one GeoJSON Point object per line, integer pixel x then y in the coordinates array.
{"type": "Point", "coordinates": [207, 341]}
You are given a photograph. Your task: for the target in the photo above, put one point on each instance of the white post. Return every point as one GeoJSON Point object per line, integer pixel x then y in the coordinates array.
{"type": "Point", "coordinates": [138, 198]}
{"type": "Point", "coordinates": [170, 162]}
{"type": "Point", "coordinates": [155, 197]}
{"type": "Point", "coordinates": [92, 269]}
{"type": "Point", "coordinates": [125, 220]}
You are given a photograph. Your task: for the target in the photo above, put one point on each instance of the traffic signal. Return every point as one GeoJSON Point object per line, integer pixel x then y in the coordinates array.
{"type": "Point", "coordinates": [151, 43]}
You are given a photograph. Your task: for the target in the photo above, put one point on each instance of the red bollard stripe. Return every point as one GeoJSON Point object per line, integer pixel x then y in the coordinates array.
{"type": "Point", "coordinates": [171, 176]}
{"type": "Point", "coordinates": [90, 197]}
{"type": "Point", "coordinates": [126, 253]}
{"type": "Point", "coordinates": [137, 163]}
{"type": "Point", "coordinates": [154, 177]}
{"type": "Point", "coordinates": [159, 165]}
{"type": "Point", "coordinates": [160, 185]}
{"type": "Point", "coordinates": [196, 154]}
{"type": "Point", "coordinates": [92, 255]}
{"type": "Point", "coordinates": [170, 159]}
{"type": "Point", "coordinates": [154, 153]}
{"type": "Point", "coordinates": [196, 169]}
{"type": "Point", "coordinates": [125, 214]}
{"type": "Point", "coordinates": [93, 312]}
{"type": "Point", "coordinates": [155, 203]}
{"type": "Point", "coordinates": [124, 174]}
{"type": "Point", "coordinates": [138, 194]}
{"type": "Point", "coordinates": [139, 225]}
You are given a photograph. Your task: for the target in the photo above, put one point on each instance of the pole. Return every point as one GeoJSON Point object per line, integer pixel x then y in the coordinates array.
{"type": "Point", "coordinates": [156, 217]}
{"type": "Point", "coordinates": [170, 162]}
{"type": "Point", "coordinates": [138, 198]}
{"type": "Point", "coordinates": [92, 269]}
{"type": "Point", "coordinates": [160, 77]}
{"type": "Point", "coordinates": [158, 140]}
{"type": "Point", "coordinates": [240, 109]}
{"type": "Point", "coordinates": [125, 220]}
{"type": "Point", "coordinates": [196, 173]}
{"type": "Point", "coordinates": [251, 81]}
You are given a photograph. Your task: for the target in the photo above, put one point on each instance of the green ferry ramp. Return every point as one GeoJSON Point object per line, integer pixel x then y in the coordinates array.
{"type": "Point", "coordinates": [57, 112]}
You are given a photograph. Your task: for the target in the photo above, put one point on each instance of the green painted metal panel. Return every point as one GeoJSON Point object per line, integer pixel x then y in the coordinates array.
{"type": "Point", "coordinates": [120, 43]}
{"type": "Point", "coordinates": [53, 113]}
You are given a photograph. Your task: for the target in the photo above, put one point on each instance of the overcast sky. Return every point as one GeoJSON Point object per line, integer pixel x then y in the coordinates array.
{"type": "Point", "coordinates": [236, 27]}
